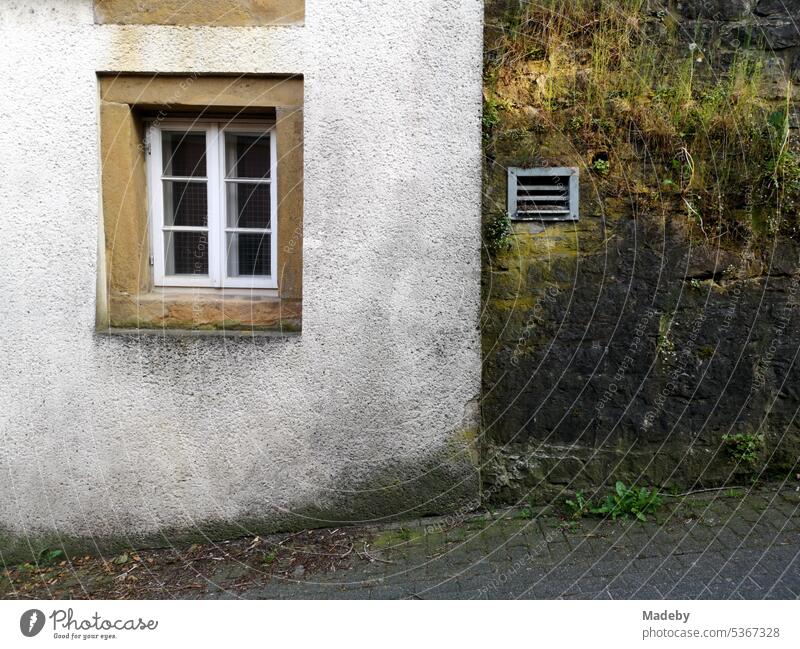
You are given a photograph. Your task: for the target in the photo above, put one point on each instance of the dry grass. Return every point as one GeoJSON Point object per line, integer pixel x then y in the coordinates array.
{"type": "Point", "coordinates": [590, 69]}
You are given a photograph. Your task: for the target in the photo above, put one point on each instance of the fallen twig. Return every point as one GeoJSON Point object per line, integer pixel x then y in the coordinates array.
{"type": "Point", "coordinates": [371, 558]}
{"type": "Point", "coordinates": [700, 491]}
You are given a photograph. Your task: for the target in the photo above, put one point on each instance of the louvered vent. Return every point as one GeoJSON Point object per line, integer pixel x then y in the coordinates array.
{"type": "Point", "coordinates": [543, 194]}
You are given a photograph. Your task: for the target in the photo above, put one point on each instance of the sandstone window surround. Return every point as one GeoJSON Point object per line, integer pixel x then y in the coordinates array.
{"type": "Point", "coordinates": [131, 294]}
{"type": "Point", "coordinates": [215, 13]}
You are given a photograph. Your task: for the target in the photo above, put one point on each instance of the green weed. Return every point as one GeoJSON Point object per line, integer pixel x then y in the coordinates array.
{"type": "Point", "coordinates": [744, 448]}
{"type": "Point", "coordinates": [497, 233]}
{"type": "Point", "coordinates": [50, 556]}
{"type": "Point", "coordinates": [601, 166]}
{"type": "Point", "coordinates": [629, 501]}
{"type": "Point", "coordinates": [622, 502]}
{"type": "Point", "coordinates": [524, 514]}
{"type": "Point", "coordinates": [580, 506]}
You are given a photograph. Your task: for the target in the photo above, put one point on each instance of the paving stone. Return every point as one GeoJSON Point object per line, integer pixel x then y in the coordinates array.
{"type": "Point", "coordinates": [558, 550]}
{"type": "Point", "coordinates": [645, 591]}
{"type": "Point", "coordinates": [730, 549]}
{"type": "Point", "coordinates": [791, 496]}
{"type": "Point", "coordinates": [783, 591]}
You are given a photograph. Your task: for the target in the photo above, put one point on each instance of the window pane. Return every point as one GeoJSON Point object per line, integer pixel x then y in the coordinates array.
{"type": "Point", "coordinates": [187, 253]}
{"type": "Point", "coordinates": [248, 205]}
{"type": "Point", "coordinates": [185, 203]}
{"type": "Point", "coordinates": [249, 254]}
{"type": "Point", "coordinates": [247, 156]}
{"type": "Point", "coordinates": [184, 153]}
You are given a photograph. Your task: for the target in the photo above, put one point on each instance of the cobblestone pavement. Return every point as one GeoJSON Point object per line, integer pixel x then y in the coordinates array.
{"type": "Point", "coordinates": [717, 545]}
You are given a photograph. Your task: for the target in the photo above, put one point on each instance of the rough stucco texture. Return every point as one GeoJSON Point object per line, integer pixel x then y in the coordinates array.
{"type": "Point", "coordinates": [361, 417]}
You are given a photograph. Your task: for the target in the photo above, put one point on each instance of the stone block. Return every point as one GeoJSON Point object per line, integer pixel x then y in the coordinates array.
{"type": "Point", "coordinates": [714, 9]}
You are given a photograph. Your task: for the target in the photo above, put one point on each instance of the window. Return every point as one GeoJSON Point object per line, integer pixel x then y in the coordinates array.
{"type": "Point", "coordinates": [543, 194]}
{"type": "Point", "coordinates": [213, 204]}
{"type": "Point", "coordinates": [202, 217]}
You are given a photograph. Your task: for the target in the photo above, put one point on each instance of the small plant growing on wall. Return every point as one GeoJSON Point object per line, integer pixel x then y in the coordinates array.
{"type": "Point", "coordinates": [491, 115]}
{"type": "Point", "coordinates": [497, 233]}
{"type": "Point", "coordinates": [665, 344]}
{"type": "Point", "coordinates": [601, 167]}
{"type": "Point", "coordinates": [743, 448]}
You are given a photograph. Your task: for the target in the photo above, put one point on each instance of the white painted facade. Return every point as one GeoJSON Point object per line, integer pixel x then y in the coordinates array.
{"type": "Point", "coordinates": [360, 417]}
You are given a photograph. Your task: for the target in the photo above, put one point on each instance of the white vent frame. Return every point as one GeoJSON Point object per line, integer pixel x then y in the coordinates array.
{"type": "Point", "coordinates": [568, 202]}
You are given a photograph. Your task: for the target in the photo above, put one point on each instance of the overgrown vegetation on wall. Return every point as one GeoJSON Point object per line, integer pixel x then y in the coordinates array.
{"type": "Point", "coordinates": [651, 112]}
{"type": "Point", "coordinates": [649, 342]}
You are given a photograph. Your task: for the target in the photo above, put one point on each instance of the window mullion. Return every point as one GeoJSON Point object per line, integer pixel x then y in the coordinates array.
{"type": "Point", "coordinates": [212, 159]}
{"type": "Point", "coordinates": [273, 193]}
{"type": "Point", "coordinates": [223, 208]}
{"type": "Point", "coordinates": [156, 196]}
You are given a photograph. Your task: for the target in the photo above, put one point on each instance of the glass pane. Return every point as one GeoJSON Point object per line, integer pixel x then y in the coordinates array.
{"type": "Point", "coordinates": [185, 203]}
{"type": "Point", "coordinates": [248, 205]}
{"type": "Point", "coordinates": [184, 153]}
{"type": "Point", "coordinates": [247, 156]}
{"type": "Point", "coordinates": [187, 253]}
{"type": "Point", "coordinates": [249, 254]}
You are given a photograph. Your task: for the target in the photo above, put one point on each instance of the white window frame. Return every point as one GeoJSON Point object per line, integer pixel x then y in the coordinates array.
{"type": "Point", "coordinates": [216, 185]}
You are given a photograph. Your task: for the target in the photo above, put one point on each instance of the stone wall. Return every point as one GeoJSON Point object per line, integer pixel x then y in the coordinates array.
{"type": "Point", "coordinates": [724, 26]}
{"type": "Point", "coordinates": [633, 344]}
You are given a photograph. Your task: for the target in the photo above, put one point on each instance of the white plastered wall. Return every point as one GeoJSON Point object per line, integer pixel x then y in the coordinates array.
{"type": "Point", "coordinates": [361, 416]}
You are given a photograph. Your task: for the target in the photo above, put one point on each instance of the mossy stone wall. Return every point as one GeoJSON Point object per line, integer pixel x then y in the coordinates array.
{"type": "Point", "coordinates": [629, 344]}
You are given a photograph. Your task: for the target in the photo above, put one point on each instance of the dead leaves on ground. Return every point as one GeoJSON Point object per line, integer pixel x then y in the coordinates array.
{"type": "Point", "coordinates": [231, 566]}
